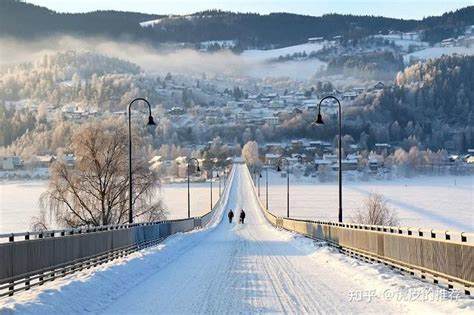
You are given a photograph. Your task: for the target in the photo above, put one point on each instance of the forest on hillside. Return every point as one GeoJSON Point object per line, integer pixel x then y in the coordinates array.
{"type": "Point", "coordinates": [248, 29]}
{"type": "Point", "coordinates": [430, 105]}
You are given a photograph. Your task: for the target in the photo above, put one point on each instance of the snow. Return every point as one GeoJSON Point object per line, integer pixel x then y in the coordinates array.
{"type": "Point", "coordinates": [443, 202]}
{"type": "Point", "coordinates": [296, 69]}
{"type": "Point", "coordinates": [405, 43]}
{"type": "Point", "coordinates": [175, 199]}
{"type": "Point", "coordinates": [232, 268]}
{"type": "Point", "coordinates": [439, 202]}
{"type": "Point", "coordinates": [436, 52]}
{"type": "Point", "coordinates": [16, 211]}
{"type": "Point", "coordinates": [263, 55]}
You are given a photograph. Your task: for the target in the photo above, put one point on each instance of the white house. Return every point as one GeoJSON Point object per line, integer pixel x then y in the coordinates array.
{"type": "Point", "coordinates": [271, 159]}
{"type": "Point", "coordinates": [10, 162]}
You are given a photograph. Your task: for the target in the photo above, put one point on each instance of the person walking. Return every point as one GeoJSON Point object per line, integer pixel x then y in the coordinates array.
{"type": "Point", "coordinates": [242, 216]}
{"type": "Point", "coordinates": [230, 215]}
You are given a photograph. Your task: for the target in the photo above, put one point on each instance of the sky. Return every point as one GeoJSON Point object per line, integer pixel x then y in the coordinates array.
{"type": "Point", "coordinates": [407, 9]}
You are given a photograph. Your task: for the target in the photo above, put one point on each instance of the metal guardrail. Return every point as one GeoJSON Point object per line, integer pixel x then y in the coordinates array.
{"type": "Point", "coordinates": [29, 259]}
{"type": "Point", "coordinates": [441, 255]}
{"type": "Point", "coordinates": [25, 236]}
{"type": "Point", "coordinates": [445, 256]}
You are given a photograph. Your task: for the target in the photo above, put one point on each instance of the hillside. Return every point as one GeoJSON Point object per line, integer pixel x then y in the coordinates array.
{"type": "Point", "coordinates": [36, 21]}
{"type": "Point", "coordinates": [250, 30]}
{"type": "Point", "coordinates": [431, 102]}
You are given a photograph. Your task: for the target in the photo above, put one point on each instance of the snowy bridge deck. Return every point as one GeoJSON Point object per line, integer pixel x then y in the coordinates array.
{"type": "Point", "coordinates": [232, 268]}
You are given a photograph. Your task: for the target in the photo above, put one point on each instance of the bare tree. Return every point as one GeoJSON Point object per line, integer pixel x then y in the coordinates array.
{"type": "Point", "coordinates": [95, 190]}
{"type": "Point", "coordinates": [250, 153]}
{"type": "Point", "coordinates": [376, 212]}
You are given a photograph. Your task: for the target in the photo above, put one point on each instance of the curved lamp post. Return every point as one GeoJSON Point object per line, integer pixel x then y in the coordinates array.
{"type": "Point", "coordinates": [319, 121]}
{"type": "Point", "coordinates": [151, 122]}
{"type": "Point", "coordinates": [279, 169]}
{"type": "Point", "coordinates": [189, 191]}
{"type": "Point", "coordinates": [300, 158]}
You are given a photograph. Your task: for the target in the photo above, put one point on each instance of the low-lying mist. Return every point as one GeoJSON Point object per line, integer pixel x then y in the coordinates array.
{"type": "Point", "coordinates": [151, 59]}
{"type": "Point", "coordinates": [169, 58]}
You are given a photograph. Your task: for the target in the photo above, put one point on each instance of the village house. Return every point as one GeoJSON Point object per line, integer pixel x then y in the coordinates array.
{"type": "Point", "coordinates": [382, 148]}
{"type": "Point", "coordinates": [44, 161]}
{"type": "Point", "coordinates": [9, 163]}
{"type": "Point", "coordinates": [271, 158]}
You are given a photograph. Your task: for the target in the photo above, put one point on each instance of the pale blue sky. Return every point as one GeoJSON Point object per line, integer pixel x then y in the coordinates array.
{"type": "Point", "coordinates": [415, 9]}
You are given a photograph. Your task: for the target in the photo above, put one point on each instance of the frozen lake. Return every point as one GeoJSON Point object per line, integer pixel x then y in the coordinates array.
{"type": "Point", "coordinates": [432, 202]}
{"type": "Point", "coordinates": [19, 202]}
{"type": "Point", "coordinates": [445, 202]}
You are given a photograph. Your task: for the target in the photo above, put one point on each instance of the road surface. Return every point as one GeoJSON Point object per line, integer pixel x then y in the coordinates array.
{"type": "Point", "coordinates": [234, 268]}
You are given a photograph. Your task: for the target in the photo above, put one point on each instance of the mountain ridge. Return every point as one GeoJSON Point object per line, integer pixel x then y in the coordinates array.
{"type": "Point", "coordinates": [248, 29]}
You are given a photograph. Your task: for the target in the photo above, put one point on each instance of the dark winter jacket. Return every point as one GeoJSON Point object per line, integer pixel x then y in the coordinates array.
{"type": "Point", "coordinates": [242, 214]}
{"type": "Point", "coordinates": [230, 214]}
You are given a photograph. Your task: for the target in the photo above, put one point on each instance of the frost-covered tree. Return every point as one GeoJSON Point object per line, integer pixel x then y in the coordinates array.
{"type": "Point", "coordinates": [95, 190]}
{"type": "Point", "coordinates": [250, 153]}
{"type": "Point", "coordinates": [376, 212]}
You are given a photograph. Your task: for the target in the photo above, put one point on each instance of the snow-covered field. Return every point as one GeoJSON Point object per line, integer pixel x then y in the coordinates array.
{"type": "Point", "coordinates": [238, 269]}
{"type": "Point", "coordinates": [19, 202]}
{"type": "Point", "coordinates": [263, 55]}
{"type": "Point", "coordinates": [299, 70]}
{"type": "Point", "coordinates": [436, 52]}
{"type": "Point", "coordinates": [445, 202]}
{"type": "Point", "coordinates": [404, 42]}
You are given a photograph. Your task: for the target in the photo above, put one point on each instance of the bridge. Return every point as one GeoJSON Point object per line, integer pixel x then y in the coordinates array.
{"type": "Point", "coordinates": [217, 267]}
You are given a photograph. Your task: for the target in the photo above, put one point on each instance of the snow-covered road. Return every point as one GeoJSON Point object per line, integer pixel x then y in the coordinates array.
{"type": "Point", "coordinates": [232, 268]}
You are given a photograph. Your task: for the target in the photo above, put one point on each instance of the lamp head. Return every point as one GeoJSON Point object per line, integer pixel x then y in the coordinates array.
{"type": "Point", "coordinates": [319, 120]}
{"type": "Point", "coordinates": [151, 122]}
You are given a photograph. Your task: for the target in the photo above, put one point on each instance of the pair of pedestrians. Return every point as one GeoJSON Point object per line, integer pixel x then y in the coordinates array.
{"type": "Point", "coordinates": [230, 215]}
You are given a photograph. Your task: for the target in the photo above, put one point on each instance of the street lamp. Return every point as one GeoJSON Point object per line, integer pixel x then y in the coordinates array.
{"type": "Point", "coordinates": [319, 121]}
{"type": "Point", "coordinates": [279, 169]}
{"type": "Point", "coordinates": [189, 191]}
{"type": "Point", "coordinates": [266, 187]}
{"type": "Point", "coordinates": [212, 176]}
{"type": "Point", "coordinates": [225, 177]}
{"type": "Point", "coordinates": [151, 122]}
{"type": "Point", "coordinates": [300, 158]}
{"type": "Point", "coordinates": [212, 170]}
{"type": "Point", "coordinates": [219, 179]}
{"type": "Point", "coordinates": [259, 176]}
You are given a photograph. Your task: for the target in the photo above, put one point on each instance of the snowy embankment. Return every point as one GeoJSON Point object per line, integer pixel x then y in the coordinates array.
{"type": "Point", "coordinates": [233, 268]}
